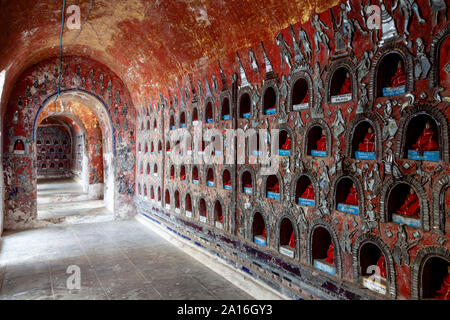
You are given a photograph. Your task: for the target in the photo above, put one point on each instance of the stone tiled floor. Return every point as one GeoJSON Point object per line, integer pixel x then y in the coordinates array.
{"type": "Point", "coordinates": [117, 260]}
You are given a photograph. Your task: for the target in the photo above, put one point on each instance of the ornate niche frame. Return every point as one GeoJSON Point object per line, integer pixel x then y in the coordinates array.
{"type": "Point", "coordinates": [356, 183]}
{"type": "Point", "coordinates": [263, 192]}
{"type": "Point", "coordinates": [155, 122]}
{"type": "Point", "coordinates": [152, 191]}
{"type": "Point", "coordinates": [312, 178]}
{"type": "Point", "coordinates": [199, 174]}
{"type": "Point", "coordinates": [333, 234]}
{"type": "Point", "coordinates": [180, 112]}
{"type": "Point", "coordinates": [418, 265]}
{"type": "Point", "coordinates": [195, 105]}
{"type": "Point", "coordinates": [435, 54]}
{"type": "Point", "coordinates": [291, 134]}
{"type": "Point", "coordinates": [171, 114]}
{"type": "Point", "coordinates": [242, 169]}
{"type": "Point", "coordinates": [186, 173]}
{"type": "Point", "coordinates": [386, 190]}
{"type": "Point", "coordinates": [350, 134]}
{"type": "Point", "coordinates": [207, 205]}
{"type": "Point", "coordinates": [442, 125]}
{"type": "Point", "coordinates": [148, 168]}
{"type": "Point", "coordinates": [325, 129]}
{"type": "Point", "coordinates": [390, 48]}
{"type": "Point", "coordinates": [189, 193]}
{"type": "Point", "coordinates": [222, 96]}
{"type": "Point", "coordinates": [209, 99]}
{"type": "Point", "coordinates": [180, 198]}
{"type": "Point", "coordinates": [242, 91]}
{"type": "Point", "coordinates": [351, 68]}
{"type": "Point", "coordinates": [250, 218]}
{"type": "Point", "coordinates": [232, 176]}
{"type": "Point", "coordinates": [439, 189]}
{"type": "Point", "coordinates": [205, 174]}
{"type": "Point", "coordinates": [294, 78]}
{"type": "Point", "coordinates": [390, 267]}
{"type": "Point", "coordinates": [292, 219]}
{"type": "Point", "coordinates": [168, 189]}
{"type": "Point", "coordinates": [271, 83]}
{"type": "Point", "coordinates": [224, 212]}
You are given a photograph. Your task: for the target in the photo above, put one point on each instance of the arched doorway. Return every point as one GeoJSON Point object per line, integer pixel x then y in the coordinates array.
{"type": "Point", "coordinates": [89, 146]}
{"type": "Point", "coordinates": [104, 94]}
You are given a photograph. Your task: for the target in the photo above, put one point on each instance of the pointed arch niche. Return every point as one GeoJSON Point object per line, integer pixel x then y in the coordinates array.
{"type": "Point", "coordinates": [88, 113]}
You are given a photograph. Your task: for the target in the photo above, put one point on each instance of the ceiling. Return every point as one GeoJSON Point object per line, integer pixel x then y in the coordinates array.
{"type": "Point", "coordinates": [147, 43]}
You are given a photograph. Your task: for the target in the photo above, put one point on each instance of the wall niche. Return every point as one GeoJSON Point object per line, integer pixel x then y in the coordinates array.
{"type": "Point", "coordinates": [436, 279]}
{"type": "Point", "coordinates": [218, 215]}
{"type": "Point", "coordinates": [422, 139]}
{"type": "Point", "coordinates": [391, 76]}
{"type": "Point", "coordinates": [304, 191]}
{"type": "Point", "coordinates": [226, 178]}
{"type": "Point", "coordinates": [259, 234]}
{"type": "Point", "coordinates": [202, 210]}
{"type": "Point", "coordinates": [363, 141]}
{"type": "Point", "coordinates": [300, 95]}
{"type": "Point", "coordinates": [373, 268]}
{"type": "Point", "coordinates": [322, 251]}
{"type": "Point", "coordinates": [225, 114]}
{"type": "Point", "coordinates": [403, 205]}
{"type": "Point", "coordinates": [341, 86]}
{"type": "Point", "coordinates": [272, 187]}
{"type": "Point", "coordinates": [247, 182]}
{"type": "Point", "coordinates": [269, 101]}
{"type": "Point", "coordinates": [287, 238]}
{"type": "Point", "coordinates": [316, 142]}
{"type": "Point", "coordinates": [245, 106]}
{"type": "Point", "coordinates": [346, 196]}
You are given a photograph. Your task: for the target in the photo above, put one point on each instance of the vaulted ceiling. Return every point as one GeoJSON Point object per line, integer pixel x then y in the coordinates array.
{"type": "Point", "coordinates": [145, 42]}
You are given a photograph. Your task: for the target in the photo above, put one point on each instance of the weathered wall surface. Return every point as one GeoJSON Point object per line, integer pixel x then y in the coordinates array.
{"type": "Point", "coordinates": [31, 92]}
{"type": "Point", "coordinates": [397, 121]}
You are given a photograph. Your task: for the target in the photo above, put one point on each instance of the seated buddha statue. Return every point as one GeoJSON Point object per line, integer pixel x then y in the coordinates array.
{"type": "Point", "coordinates": [411, 205]}
{"type": "Point", "coordinates": [330, 254]}
{"type": "Point", "coordinates": [352, 197]}
{"type": "Point", "coordinates": [444, 292]}
{"type": "Point", "coordinates": [19, 145]}
{"type": "Point", "coordinates": [381, 264]}
{"type": "Point", "coordinates": [292, 240]}
{"type": "Point", "coordinates": [221, 219]}
{"type": "Point", "coordinates": [275, 188]}
{"type": "Point", "coordinates": [306, 97]}
{"type": "Point", "coordinates": [183, 176]}
{"type": "Point", "coordinates": [346, 87]}
{"type": "Point", "coordinates": [321, 144]}
{"type": "Point", "coordinates": [398, 78]}
{"type": "Point", "coordinates": [368, 144]}
{"type": "Point", "coordinates": [426, 141]}
{"type": "Point", "coordinates": [287, 144]}
{"type": "Point", "coordinates": [227, 182]}
{"type": "Point", "coordinates": [308, 193]}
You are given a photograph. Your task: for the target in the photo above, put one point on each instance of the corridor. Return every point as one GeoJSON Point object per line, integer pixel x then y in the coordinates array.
{"type": "Point", "coordinates": [117, 260]}
{"type": "Point", "coordinates": [62, 201]}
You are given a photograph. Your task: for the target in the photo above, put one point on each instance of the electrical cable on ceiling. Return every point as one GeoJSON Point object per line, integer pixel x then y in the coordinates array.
{"type": "Point", "coordinates": [60, 51]}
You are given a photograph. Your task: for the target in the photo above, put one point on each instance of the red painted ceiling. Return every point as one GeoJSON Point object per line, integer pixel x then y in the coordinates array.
{"type": "Point", "coordinates": [147, 43]}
